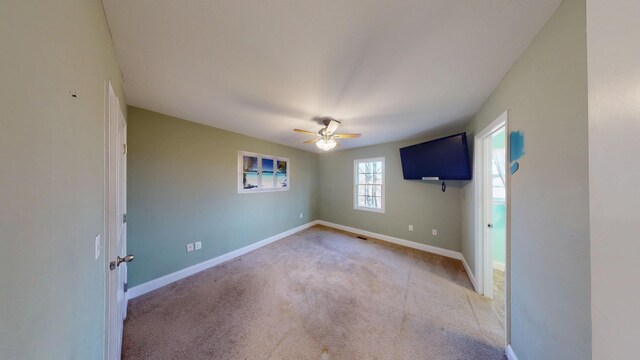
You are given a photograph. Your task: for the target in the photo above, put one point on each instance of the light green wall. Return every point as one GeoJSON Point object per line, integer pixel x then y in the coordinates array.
{"type": "Point", "coordinates": [417, 203]}
{"type": "Point", "coordinates": [183, 188]}
{"type": "Point", "coordinates": [546, 95]}
{"type": "Point", "coordinates": [613, 42]}
{"type": "Point", "coordinates": [51, 182]}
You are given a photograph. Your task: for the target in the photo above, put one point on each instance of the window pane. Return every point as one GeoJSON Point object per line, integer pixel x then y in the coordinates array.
{"type": "Point", "coordinates": [377, 166]}
{"type": "Point", "coordinates": [250, 164]}
{"type": "Point", "coordinates": [374, 202]}
{"type": "Point", "coordinates": [267, 173]}
{"type": "Point", "coordinates": [370, 190]}
{"type": "Point", "coordinates": [365, 167]}
{"type": "Point", "coordinates": [361, 201]}
{"type": "Point", "coordinates": [369, 201]}
{"type": "Point", "coordinates": [370, 167]}
{"type": "Point", "coordinates": [282, 180]}
{"type": "Point", "coordinates": [249, 172]}
{"type": "Point", "coordinates": [370, 179]}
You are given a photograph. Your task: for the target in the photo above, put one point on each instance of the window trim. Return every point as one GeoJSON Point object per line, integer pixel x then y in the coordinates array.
{"type": "Point", "coordinates": [260, 189]}
{"type": "Point", "coordinates": [355, 185]}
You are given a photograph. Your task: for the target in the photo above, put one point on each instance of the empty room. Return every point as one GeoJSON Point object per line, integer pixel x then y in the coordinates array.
{"type": "Point", "coordinates": [317, 179]}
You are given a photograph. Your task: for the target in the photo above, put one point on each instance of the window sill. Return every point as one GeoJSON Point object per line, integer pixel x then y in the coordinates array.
{"type": "Point", "coordinates": [379, 211]}
{"type": "Point", "coordinates": [259, 191]}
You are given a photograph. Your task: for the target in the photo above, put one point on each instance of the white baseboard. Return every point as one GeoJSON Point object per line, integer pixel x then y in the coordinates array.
{"type": "Point", "coordinates": [510, 354]}
{"type": "Point", "coordinates": [181, 274]}
{"type": "Point", "coordinates": [395, 240]}
{"type": "Point", "coordinates": [471, 276]}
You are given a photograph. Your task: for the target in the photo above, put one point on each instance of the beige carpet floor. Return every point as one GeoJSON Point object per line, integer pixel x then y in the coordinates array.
{"type": "Point", "coordinates": [319, 294]}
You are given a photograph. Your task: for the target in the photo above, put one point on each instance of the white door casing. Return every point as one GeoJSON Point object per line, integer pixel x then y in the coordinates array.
{"type": "Point", "coordinates": [484, 213]}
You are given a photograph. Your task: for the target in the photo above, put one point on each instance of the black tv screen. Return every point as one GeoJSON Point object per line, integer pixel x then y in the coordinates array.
{"type": "Point", "coordinates": [441, 159]}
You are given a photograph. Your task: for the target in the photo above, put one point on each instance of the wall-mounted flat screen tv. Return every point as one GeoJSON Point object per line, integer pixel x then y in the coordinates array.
{"type": "Point", "coordinates": [446, 158]}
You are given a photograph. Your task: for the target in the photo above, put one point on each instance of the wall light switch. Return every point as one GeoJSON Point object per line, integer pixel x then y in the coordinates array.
{"type": "Point", "coordinates": [410, 227]}
{"type": "Point", "coordinates": [300, 215]}
{"type": "Point", "coordinates": [98, 245]}
{"type": "Point", "coordinates": [198, 245]}
{"type": "Point", "coordinates": [190, 247]}
{"type": "Point", "coordinates": [434, 232]}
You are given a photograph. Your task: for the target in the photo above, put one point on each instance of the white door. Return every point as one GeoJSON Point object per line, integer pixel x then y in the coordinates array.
{"type": "Point", "coordinates": [494, 205]}
{"type": "Point", "coordinates": [122, 215]}
{"type": "Point", "coordinates": [487, 202]}
{"type": "Point", "coordinates": [116, 242]}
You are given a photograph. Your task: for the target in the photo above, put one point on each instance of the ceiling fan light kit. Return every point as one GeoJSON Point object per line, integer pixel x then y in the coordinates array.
{"type": "Point", "coordinates": [326, 136]}
{"type": "Point", "coordinates": [326, 144]}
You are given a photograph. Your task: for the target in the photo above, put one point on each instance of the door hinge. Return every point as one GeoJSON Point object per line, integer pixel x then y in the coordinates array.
{"type": "Point", "coordinates": [125, 286]}
{"type": "Point", "coordinates": [124, 149]}
{"type": "Point", "coordinates": [124, 218]}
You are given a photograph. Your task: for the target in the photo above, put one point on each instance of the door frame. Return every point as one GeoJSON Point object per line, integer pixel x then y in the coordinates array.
{"type": "Point", "coordinates": [483, 246]}
{"type": "Point", "coordinates": [113, 115]}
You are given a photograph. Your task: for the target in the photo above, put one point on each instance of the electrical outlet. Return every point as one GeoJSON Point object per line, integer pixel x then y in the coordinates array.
{"type": "Point", "coordinates": [434, 232]}
{"type": "Point", "coordinates": [198, 245]}
{"type": "Point", "coordinates": [410, 227]}
{"type": "Point", "coordinates": [98, 245]}
{"type": "Point", "coordinates": [300, 215]}
{"type": "Point", "coordinates": [190, 247]}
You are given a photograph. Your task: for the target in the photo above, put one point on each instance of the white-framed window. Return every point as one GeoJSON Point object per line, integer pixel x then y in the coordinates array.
{"type": "Point", "coordinates": [368, 184]}
{"type": "Point", "coordinates": [262, 173]}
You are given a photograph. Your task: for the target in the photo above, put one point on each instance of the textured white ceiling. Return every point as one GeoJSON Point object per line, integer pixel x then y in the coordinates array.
{"type": "Point", "coordinates": [390, 70]}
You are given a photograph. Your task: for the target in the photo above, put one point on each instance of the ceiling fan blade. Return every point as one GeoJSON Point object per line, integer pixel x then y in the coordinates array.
{"type": "Point", "coordinates": [305, 132]}
{"type": "Point", "coordinates": [332, 127]}
{"type": "Point", "coordinates": [311, 141]}
{"type": "Point", "coordinates": [347, 136]}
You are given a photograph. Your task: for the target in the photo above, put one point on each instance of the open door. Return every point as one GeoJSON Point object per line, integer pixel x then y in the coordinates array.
{"type": "Point", "coordinates": [116, 228]}
{"type": "Point", "coordinates": [491, 179]}
{"type": "Point", "coordinates": [494, 213]}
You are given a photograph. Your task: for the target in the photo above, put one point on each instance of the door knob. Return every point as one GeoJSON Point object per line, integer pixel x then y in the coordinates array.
{"type": "Point", "coordinates": [126, 259]}
{"type": "Point", "coordinates": [119, 260]}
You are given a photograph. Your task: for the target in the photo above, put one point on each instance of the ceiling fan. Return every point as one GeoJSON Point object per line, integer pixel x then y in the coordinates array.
{"type": "Point", "coordinates": [325, 138]}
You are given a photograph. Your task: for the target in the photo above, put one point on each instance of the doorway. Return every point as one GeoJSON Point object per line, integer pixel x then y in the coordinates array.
{"type": "Point", "coordinates": [115, 223]}
{"type": "Point", "coordinates": [492, 204]}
